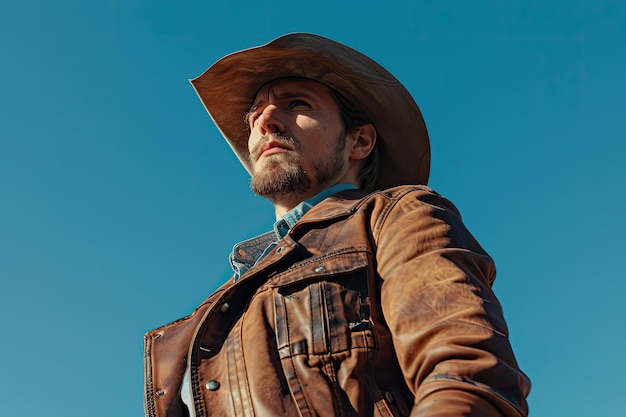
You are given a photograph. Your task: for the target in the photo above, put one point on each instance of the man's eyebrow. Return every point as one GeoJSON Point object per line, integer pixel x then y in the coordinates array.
{"type": "Point", "coordinates": [283, 95]}
{"type": "Point", "coordinates": [290, 94]}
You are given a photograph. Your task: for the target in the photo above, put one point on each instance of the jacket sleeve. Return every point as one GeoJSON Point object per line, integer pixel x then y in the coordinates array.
{"type": "Point", "coordinates": [447, 326]}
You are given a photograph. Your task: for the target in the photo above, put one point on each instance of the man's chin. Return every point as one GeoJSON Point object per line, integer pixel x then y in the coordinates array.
{"type": "Point", "coordinates": [276, 181]}
{"type": "Point", "coordinates": [272, 159]}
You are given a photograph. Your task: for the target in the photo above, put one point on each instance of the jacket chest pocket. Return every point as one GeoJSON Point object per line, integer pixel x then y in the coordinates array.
{"type": "Point", "coordinates": [325, 335]}
{"type": "Point", "coordinates": [325, 342]}
{"type": "Point", "coordinates": [323, 317]}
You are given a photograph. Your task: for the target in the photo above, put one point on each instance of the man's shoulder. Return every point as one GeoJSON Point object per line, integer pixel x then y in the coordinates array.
{"type": "Point", "coordinates": [401, 191]}
{"type": "Point", "coordinates": [402, 194]}
{"type": "Point", "coordinates": [356, 195]}
{"type": "Point", "coordinates": [380, 202]}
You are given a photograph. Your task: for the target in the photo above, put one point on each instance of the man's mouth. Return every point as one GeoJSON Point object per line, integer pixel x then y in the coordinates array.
{"type": "Point", "coordinates": [274, 146]}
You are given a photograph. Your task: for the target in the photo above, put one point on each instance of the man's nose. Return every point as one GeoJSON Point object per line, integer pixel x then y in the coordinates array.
{"type": "Point", "coordinates": [270, 121]}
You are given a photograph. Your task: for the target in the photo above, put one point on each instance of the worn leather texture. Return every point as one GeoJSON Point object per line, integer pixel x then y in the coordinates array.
{"type": "Point", "coordinates": [377, 305]}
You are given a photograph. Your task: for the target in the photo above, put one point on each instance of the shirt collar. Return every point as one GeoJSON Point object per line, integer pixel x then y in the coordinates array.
{"type": "Point", "coordinates": [289, 219]}
{"type": "Point", "coordinates": [247, 253]}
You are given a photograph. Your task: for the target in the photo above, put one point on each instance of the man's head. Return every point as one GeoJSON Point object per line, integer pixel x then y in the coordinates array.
{"type": "Point", "coordinates": [302, 141]}
{"type": "Point", "coordinates": [365, 93]}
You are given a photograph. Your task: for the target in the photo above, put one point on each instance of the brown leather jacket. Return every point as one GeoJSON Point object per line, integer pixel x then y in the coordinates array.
{"type": "Point", "coordinates": [375, 305]}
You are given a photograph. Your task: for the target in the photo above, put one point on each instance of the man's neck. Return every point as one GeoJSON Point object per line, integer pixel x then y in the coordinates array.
{"type": "Point", "coordinates": [291, 200]}
{"type": "Point", "coordinates": [283, 206]}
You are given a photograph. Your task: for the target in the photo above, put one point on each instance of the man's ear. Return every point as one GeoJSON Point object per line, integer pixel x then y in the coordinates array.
{"type": "Point", "coordinates": [364, 141]}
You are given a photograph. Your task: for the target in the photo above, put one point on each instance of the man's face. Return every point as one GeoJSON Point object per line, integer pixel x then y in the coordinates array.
{"type": "Point", "coordinates": [297, 140]}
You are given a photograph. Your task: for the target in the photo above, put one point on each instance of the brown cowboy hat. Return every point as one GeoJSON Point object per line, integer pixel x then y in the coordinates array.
{"type": "Point", "coordinates": [228, 87]}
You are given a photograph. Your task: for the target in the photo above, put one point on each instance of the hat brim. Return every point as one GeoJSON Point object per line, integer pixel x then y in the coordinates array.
{"type": "Point", "coordinates": [229, 86]}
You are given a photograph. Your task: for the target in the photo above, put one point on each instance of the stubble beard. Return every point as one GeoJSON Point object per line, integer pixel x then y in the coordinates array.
{"type": "Point", "coordinates": [282, 174]}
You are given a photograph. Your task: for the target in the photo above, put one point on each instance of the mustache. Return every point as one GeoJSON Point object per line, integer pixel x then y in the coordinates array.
{"type": "Point", "coordinates": [284, 140]}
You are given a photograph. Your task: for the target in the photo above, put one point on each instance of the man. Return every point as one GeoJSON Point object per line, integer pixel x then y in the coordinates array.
{"type": "Point", "coordinates": [369, 297]}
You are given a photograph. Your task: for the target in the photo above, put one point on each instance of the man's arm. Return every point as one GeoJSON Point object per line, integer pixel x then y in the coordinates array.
{"type": "Point", "coordinates": [447, 325]}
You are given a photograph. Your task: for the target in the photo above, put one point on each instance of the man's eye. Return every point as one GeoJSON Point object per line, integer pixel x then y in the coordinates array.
{"type": "Point", "coordinates": [299, 104]}
{"type": "Point", "coordinates": [252, 116]}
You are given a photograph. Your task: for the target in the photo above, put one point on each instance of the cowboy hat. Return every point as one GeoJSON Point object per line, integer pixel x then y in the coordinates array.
{"type": "Point", "coordinates": [229, 86]}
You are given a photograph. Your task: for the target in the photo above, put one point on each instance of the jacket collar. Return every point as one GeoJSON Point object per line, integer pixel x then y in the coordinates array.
{"type": "Point", "coordinates": [339, 205]}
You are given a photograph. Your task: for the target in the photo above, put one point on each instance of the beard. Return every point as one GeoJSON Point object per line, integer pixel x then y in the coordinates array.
{"type": "Point", "coordinates": [283, 174]}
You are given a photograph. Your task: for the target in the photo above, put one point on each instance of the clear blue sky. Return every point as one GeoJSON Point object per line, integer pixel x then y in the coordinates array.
{"type": "Point", "coordinates": [119, 201]}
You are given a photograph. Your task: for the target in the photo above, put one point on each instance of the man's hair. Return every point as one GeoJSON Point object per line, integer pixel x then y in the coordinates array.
{"type": "Point", "coordinates": [353, 118]}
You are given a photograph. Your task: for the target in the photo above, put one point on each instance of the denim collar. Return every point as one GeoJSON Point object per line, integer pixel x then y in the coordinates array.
{"type": "Point", "coordinates": [247, 253]}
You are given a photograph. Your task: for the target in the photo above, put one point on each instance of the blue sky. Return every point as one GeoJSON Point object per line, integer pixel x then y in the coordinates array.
{"type": "Point", "coordinates": [119, 201]}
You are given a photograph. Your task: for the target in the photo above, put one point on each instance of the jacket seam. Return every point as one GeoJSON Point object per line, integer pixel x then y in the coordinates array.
{"type": "Point", "coordinates": [393, 201]}
{"type": "Point", "coordinates": [149, 404]}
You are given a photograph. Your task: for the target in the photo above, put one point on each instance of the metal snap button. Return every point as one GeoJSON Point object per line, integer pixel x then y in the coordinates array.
{"type": "Point", "coordinates": [389, 397]}
{"type": "Point", "coordinates": [160, 393]}
{"type": "Point", "coordinates": [319, 268]}
{"type": "Point", "coordinates": [224, 308]}
{"type": "Point", "coordinates": [212, 385]}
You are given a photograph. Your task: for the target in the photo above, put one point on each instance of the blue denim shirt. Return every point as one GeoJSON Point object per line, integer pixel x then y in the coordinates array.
{"type": "Point", "coordinates": [247, 253]}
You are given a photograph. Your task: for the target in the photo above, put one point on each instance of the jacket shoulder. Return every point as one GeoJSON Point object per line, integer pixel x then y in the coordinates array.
{"type": "Point", "coordinates": [418, 195]}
